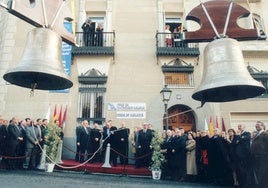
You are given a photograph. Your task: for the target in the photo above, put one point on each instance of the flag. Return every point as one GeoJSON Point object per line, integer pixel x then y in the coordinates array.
{"type": "Point", "coordinates": [60, 117]}
{"type": "Point", "coordinates": [48, 114]}
{"type": "Point", "coordinates": [64, 117]}
{"type": "Point", "coordinates": [217, 124]}
{"type": "Point", "coordinates": [54, 114]}
{"type": "Point", "coordinates": [211, 128]}
{"type": "Point", "coordinates": [206, 125]}
{"type": "Point", "coordinates": [223, 125]}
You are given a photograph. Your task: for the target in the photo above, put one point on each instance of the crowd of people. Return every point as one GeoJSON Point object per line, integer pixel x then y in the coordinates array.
{"type": "Point", "coordinates": [92, 36]}
{"type": "Point", "coordinates": [21, 142]}
{"type": "Point", "coordinates": [92, 142]}
{"type": "Point", "coordinates": [236, 157]}
{"type": "Point", "coordinates": [233, 158]}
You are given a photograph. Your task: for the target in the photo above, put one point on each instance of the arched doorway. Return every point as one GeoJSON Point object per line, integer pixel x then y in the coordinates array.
{"type": "Point", "coordinates": [180, 116]}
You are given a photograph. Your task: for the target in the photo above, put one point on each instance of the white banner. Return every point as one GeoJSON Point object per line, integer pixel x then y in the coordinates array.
{"type": "Point", "coordinates": [126, 106]}
{"type": "Point", "coordinates": [131, 115]}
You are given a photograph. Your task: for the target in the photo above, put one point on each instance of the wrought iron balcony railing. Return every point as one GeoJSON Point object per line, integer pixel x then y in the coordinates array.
{"type": "Point", "coordinates": [173, 44]}
{"type": "Point", "coordinates": [94, 43]}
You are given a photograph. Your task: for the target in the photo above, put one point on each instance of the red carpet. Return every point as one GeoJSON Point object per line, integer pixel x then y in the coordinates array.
{"type": "Point", "coordinates": [97, 168]}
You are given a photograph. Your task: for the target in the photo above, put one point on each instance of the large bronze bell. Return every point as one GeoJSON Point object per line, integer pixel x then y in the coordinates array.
{"type": "Point", "coordinates": [225, 76]}
{"type": "Point", "coordinates": [41, 64]}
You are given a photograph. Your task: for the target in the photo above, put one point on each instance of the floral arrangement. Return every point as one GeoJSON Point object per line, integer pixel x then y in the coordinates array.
{"type": "Point", "coordinates": [52, 140]}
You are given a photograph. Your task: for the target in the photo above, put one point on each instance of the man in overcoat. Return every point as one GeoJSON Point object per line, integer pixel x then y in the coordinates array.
{"type": "Point", "coordinates": [259, 150]}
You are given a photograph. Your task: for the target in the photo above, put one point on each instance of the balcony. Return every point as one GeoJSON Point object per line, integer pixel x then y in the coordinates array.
{"type": "Point", "coordinates": [177, 47]}
{"type": "Point", "coordinates": [95, 44]}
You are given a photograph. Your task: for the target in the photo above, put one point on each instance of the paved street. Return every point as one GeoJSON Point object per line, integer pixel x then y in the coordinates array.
{"type": "Point", "coordinates": [60, 179]}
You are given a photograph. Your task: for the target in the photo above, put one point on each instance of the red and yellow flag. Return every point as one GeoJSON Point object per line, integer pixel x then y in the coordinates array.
{"type": "Point", "coordinates": [60, 117]}
{"type": "Point", "coordinates": [211, 128]}
{"type": "Point", "coordinates": [55, 114]}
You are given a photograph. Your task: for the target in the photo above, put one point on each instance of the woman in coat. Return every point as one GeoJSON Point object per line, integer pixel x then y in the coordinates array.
{"type": "Point", "coordinates": [191, 168]}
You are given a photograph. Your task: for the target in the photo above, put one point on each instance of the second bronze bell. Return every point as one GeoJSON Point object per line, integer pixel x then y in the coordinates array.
{"type": "Point", "coordinates": [225, 76]}
{"type": "Point", "coordinates": [41, 64]}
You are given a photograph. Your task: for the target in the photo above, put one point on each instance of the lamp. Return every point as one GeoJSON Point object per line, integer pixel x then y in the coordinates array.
{"type": "Point", "coordinates": [166, 94]}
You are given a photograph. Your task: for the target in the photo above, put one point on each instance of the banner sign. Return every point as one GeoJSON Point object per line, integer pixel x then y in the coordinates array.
{"type": "Point", "coordinates": [127, 106]}
{"type": "Point", "coordinates": [131, 115]}
{"type": "Point", "coordinates": [66, 55]}
{"type": "Point", "coordinates": [128, 110]}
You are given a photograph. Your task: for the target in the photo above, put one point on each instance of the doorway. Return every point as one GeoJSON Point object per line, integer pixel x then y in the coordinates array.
{"type": "Point", "coordinates": [181, 116]}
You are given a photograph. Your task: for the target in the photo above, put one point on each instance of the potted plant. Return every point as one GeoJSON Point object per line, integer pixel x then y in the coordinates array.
{"type": "Point", "coordinates": [158, 158]}
{"type": "Point", "coordinates": [52, 140]}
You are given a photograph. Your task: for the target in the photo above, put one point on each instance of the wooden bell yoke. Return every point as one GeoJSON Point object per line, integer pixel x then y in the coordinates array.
{"type": "Point", "coordinates": [49, 14]}
{"type": "Point", "coordinates": [218, 13]}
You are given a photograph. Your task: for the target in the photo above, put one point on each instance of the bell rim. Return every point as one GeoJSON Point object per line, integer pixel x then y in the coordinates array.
{"type": "Point", "coordinates": [228, 93]}
{"type": "Point", "coordinates": [62, 81]}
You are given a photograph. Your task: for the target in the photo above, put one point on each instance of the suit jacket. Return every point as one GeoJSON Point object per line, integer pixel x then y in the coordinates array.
{"type": "Point", "coordinates": [13, 134]}
{"type": "Point", "coordinates": [94, 140]}
{"type": "Point", "coordinates": [123, 134]}
{"type": "Point", "coordinates": [33, 133]}
{"type": "Point", "coordinates": [243, 145]}
{"type": "Point", "coordinates": [144, 139]}
{"type": "Point", "coordinates": [83, 136]}
{"type": "Point", "coordinates": [259, 146]}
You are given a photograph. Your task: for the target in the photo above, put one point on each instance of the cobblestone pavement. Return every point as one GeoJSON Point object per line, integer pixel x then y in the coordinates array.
{"type": "Point", "coordinates": [66, 179]}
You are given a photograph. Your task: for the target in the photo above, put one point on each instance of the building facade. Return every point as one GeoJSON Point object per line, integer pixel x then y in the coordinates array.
{"type": "Point", "coordinates": [120, 74]}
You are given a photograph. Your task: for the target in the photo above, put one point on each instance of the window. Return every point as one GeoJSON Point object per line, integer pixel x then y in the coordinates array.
{"type": "Point", "coordinates": [178, 73]}
{"type": "Point", "coordinates": [179, 79]}
{"type": "Point", "coordinates": [91, 96]}
{"type": "Point", "coordinates": [173, 23]}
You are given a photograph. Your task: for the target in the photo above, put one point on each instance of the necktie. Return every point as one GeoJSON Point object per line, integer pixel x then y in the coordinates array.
{"type": "Point", "coordinates": [86, 130]}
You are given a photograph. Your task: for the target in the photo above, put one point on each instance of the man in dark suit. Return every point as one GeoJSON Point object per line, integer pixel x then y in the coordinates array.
{"type": "Point", "coordinates": [88, 32]}
{"type": "Point", "coordinates": [95, 139]}
{"type": "Point", "coordinates": [259, 149]}
{"type": "Point", "coordinates": [144, 149]}
{"type": "Point", "coordinates": [22, 125]}
{"type": "Point", "coordinates": [82, 139]}
{"type": "Point", "coordinates": [14, 139]}
{"type": "Point", "coordinates": [78, 152]}
{"type": "Point", "coordinates": [3, 138]}
{"type": "Point", "coordinates": [218, 158]}
{"type": "Point", "coordinates": [242, 151]}
{"type": "Point", "coordinates": [110, 136]}
{"type": "Point", "coordinates": [123, 143]}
